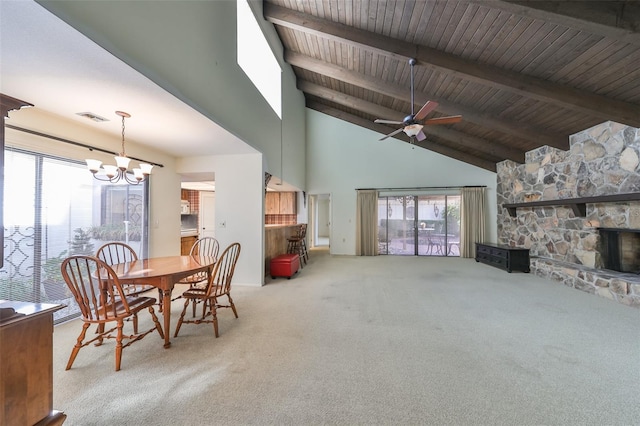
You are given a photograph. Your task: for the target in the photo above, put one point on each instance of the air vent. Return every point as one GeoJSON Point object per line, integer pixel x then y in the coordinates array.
{"type": "Point", "coordinates": [92, 116]}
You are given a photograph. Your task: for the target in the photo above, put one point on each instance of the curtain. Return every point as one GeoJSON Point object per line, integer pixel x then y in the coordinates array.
{"type": "Point", "coordinates": [472, 220]}
{"type": "Point", "coordinates": [367, 223]}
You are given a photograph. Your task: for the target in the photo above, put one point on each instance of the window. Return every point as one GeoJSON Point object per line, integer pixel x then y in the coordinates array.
{"type": "Point", "coordinates": [256, 58]}
{"type": "Point", "coordinates": [54, 208]}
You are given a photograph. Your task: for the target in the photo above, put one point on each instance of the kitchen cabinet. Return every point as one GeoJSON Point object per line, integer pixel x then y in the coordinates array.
{"type": "Point", "coordinates": [280, 203]}
{"type": "Point", "coordinates": [186, 243]}
{"type": "Point", "coordinates": [288, 203]}
{"type": "Point", "coordinates": [272, 203]}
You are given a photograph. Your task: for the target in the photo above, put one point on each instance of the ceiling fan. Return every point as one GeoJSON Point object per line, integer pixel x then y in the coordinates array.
{"type": "Point", "coordinates": [412, 124]}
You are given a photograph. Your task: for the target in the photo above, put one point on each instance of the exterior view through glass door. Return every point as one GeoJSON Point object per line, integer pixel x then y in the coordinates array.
{"type": "Point", "coordinates": [424, 225]}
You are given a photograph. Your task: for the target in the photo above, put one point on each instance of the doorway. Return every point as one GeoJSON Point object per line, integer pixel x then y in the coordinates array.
{"type": "Point", "coordinates": [320, 220]}
{"type": "Point", "coordinates": [419, 225]}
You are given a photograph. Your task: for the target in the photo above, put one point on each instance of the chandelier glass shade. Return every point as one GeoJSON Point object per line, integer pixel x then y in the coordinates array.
{"type": "Point", "coordinates": [119, 172]}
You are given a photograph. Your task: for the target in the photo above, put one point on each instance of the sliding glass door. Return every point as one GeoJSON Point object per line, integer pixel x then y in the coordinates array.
{"type": "Point", "coordinates": [54, 208]}
{"type": "Point", "coordinates": [424, 225]}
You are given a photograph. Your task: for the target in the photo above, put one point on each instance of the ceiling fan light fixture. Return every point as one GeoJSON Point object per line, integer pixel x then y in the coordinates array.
{"type": "Point", "coordinates": [412, 129]}
{"type": "Point", "coordinates": [414, 122]}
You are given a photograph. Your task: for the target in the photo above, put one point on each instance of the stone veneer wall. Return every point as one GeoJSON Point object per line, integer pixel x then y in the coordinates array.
{"type": "Point", "coordinates": [602, 160]}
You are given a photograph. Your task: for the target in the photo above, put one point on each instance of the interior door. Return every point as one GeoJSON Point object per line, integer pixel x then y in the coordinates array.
{"type": "Point", "coordinates": [207, 214]}
{"type": "Point", "coordinates": [323, 220]}
{"type": "Point", "coordinates": [319, 227]}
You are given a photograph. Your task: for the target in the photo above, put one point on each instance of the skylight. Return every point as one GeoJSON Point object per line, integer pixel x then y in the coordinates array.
{"type": "Point", "coordinates": [256, 58]}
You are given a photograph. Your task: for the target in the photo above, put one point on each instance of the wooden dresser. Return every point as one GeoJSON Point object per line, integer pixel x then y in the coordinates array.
{"type": "Point", "coordinates": [26, 364]}
{"type": "Point", "coordinates": [503, 257]}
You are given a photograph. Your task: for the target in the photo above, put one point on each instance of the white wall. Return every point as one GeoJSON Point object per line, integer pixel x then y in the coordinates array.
{"type": "Point", "coordinates": [164, 214]}
{"type": "Point", "coordinates": [239, 208]}
{"type": "Point", "coordinates": [189, 49]}
{"type": "Point", "coordinates": [342, 158]}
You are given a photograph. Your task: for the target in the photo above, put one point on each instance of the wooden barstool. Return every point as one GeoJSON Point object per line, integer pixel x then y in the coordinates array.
{"type": "Point", "coordinates": [297, 244]}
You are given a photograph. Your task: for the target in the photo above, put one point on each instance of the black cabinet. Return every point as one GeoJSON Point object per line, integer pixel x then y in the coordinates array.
{"type": "Point", "coordinates": [503, 257]}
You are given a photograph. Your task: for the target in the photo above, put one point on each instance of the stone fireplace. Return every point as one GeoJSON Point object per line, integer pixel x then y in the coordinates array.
{"type": "Point", "coordinates": [578, 211]}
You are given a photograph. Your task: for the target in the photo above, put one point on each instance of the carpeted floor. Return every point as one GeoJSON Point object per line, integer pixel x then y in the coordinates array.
{"type": "Point", "coordinates": [373, 340]}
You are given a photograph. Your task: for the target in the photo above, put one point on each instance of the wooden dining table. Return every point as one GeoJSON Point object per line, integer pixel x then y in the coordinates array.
{"type": "Point", "coordinates": [163, 273]}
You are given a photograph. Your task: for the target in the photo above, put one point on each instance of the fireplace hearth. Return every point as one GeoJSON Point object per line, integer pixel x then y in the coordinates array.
{"type": "Point", "coordinates": [620, 249]}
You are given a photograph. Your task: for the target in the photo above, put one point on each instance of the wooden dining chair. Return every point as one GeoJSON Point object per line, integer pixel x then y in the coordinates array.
{"type": "Point", "coordinates": [102, 300]}
{"type": "Point", "coordinates": [117, 252]}
{"type": "Point", "coordinates": [218, 285]}
{"type": "Point", "coordinates": [205, 246]}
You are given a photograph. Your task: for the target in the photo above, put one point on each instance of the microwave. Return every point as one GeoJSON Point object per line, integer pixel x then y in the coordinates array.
{"type": "Point", "coordinates": [185, 207]}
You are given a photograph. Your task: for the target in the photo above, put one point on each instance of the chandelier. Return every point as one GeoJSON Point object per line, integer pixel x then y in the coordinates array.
{"type": "Point", "coordinates": [119, 172]}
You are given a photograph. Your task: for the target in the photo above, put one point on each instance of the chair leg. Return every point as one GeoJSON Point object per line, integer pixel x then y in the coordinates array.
{"type": "Point", "coordinates": [135, 323]}
{"type": "Point", "coordinates": [194, 306]}
{"type": "Point", "coordinates": [77, 346]}
{"type": "Point", "coordinates": [184, 310]}
{"type": "Point", "coordinates": [303, 251]}
{"type": "Point", "coordinates": [156, 322]}
{"type": "Point", "coordinates": [212, 306]}
{"type": "Point", "coordinates": [119, 344]}
{"type": "Point", "coordinates": [204, 307]}
{"type": "Point", "coordinates": [300, 254]}
{"type": "Point", "coordinates": [233, 307]}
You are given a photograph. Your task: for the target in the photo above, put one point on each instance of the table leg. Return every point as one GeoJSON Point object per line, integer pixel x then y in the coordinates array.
{"type": "Point", "coordinates": [166, 312]}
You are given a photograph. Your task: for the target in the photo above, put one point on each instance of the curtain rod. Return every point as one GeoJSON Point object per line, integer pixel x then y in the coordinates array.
{"type": "Point", "coordinates": [82, 145]}
{"type": "Point", "coordinates": [420, 188]}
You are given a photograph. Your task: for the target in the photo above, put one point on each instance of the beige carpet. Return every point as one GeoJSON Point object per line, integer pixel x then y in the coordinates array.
{"type": "Point", "coordinates": [373, 340]}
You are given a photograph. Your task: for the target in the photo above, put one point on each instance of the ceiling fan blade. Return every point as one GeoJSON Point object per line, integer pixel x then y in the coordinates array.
{"type": "Point", "coordinates": [421, 136]}
{"type": "Point", "coordinates": [426, 109]}
{"type": "Point", "coordinates": [444, 120]}
{"type": "Point", "coordinates": [391, 134]}
{"type": "Point", "coordinates": [378, 120]}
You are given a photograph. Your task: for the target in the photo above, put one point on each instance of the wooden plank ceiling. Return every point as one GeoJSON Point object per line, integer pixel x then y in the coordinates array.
{"type": "Point", "coordinates": [522, 74]}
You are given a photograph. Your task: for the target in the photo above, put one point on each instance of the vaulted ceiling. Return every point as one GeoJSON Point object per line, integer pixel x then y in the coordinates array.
{"type": "Point", "coordinates": [522, 74]}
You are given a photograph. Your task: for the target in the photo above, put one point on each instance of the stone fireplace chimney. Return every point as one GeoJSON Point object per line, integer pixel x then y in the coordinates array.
{"type": "Point", "coordinates": [583, 214]}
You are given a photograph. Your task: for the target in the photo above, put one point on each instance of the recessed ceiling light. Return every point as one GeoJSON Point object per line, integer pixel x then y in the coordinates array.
{"type": "Point", "coordinates": [92, 116]}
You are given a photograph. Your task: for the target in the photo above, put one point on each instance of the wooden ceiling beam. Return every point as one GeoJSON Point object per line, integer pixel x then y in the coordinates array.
{"type": "Point", "coordinates": [459, 138]}
{"type": "Point", "coordinates": [619, 20]}
{"type": "Point", "coordinates": [566, 97]}
{"type": "Point", "coordinates": [537, 136]}
{"type": "Point", "coordinates": [378, 128]}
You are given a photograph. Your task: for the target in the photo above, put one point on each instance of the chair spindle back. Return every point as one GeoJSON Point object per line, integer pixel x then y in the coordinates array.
{"type": "Point", "coordinates": [223, 271]}
{"type": "Point", "coordinates": [94, 286]}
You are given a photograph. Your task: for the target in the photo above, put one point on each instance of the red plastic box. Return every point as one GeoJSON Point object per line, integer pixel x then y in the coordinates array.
{"type": "Point", "coordinates": [285, 265]}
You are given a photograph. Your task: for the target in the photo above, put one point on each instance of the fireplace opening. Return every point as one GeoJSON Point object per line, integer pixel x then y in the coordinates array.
{"type": "Point", "coordinates": [620, 249]}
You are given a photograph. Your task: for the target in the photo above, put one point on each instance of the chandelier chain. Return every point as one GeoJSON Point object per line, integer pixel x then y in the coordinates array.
{"type": "Point", "coordinates": [123, 154]}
